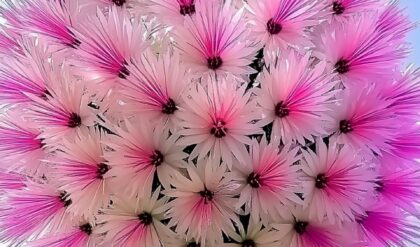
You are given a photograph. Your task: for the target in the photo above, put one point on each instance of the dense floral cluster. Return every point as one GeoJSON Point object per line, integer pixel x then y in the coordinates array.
{"type": "Point", "coordinates": [204, 123]}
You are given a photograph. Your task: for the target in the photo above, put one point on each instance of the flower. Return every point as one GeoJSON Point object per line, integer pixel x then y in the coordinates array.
{"type": "Point", "coordinates": [394, 23]}
{"type": "Point", "coordinates": [270, 180]}
{"type": "Point", "coordinates": [337, 182]}
{"type": "Point", "coordinates": [218, 120]}
{"type": "Point", "coordinates": [9, 44]}
{"type": "Point", "coordinates": [341, 9]}
{"type": "Point", "coordinates": [11, 181]}
{"type": "Point", "coordinates": [134, 221]}
{"type": "Point", "coordinates": [155, 87]}
{"type": "Point", "coordinates": [140, 151]}
{"type": "Point", "coordinates": [296, 98]}
{"type": "Point", "coordinates": [279, 24]}
{"type": "Point", "coordinates": [203, 204]}
{"type": "Point", "coordinates": [403, 144]}
{"type": "Point", "coordinates": [172, 12]}
{"type": "Point", "coordinates": [214, 41]}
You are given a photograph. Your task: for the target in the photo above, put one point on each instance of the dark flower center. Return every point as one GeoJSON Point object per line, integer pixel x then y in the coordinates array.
{"type": "Point", "coordinates": [321, 181]}
{"type": "Point", "coordinates": [74, 120]}
{"type": "Point", "coordinates": [102, 169]}
{"type": "Point", "coordinates": [338, 8]}
{"type": "Point", "coordinates": [119, 2]}
{"type": "Point", "coordinates": [273, 27]}
{"type": "Point", "coordinates": [248, 243]}
{"type": "Point", "coordinates": [281, 110]}
{"type": "Point", "coordinates": [64, 198]}
{"type": "Point", "coordinates": [86, 228]}
{"type": "Point", "coordinates": [157, 158]}
{"type": "Point", "coordinates": [379, 186]}
{"type": "Point", "coordinates": [214, 62]}
{"type": "Point", "coordinates": [207, 195]}
{"type": "Point", "coordinates": [124, 72]}
{"type": "Point", "coordinates": [218, 130]}
{"type": "Point", "coordinates": [76, 43]}
{"type": "Point", "coordinates": [44, 95]}
{"type": "Point", "coordinates": [188, 9]}
{"type": "Point", "coordinates": [300, 227]}
{"type": "Point", "coordinates": [169, 107]}
{"type": "Point", "coordinates": [345, 126]}
{"type": "Point", "coordinates": [342, 66]}
{"type": "Point", "coordinates": [193, 244]}
{"type": "Point", "coordinates": [145, 218]}
{"type": "Point", "coordinates": [253, 180]}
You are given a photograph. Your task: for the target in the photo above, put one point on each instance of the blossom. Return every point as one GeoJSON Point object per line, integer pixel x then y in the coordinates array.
{"type": "Point", "coordinates": [338, 181]}
{"type": "Point", "coordinates": [346, 8]}
{"type": "Point", "coordinates": [394, 23]}
{"type": "Point", "coordinates": [134, 221]}
{"type": "Point", "coordinates": [140, 151]}
{"type": "Point", "coordinates": [172, 12]}
{"type": "Point", "coordinates": [296, 98]}
{"type": "Point", "coordinates": [215, 41]}
{"type": "Point", "coordinates": [279, 24]}
{"type": "Point", "coordinates": [270, 181]}
{"type": "Point", "coordinates": [403, 144]}
{"type": "Point", "coordinates": [203, 204]}
{"type": "Point", "coordinates": [218, 120]}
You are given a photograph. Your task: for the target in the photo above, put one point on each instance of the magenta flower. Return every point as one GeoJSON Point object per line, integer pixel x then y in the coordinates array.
{"type": "Point", "coordinates": [346, 8]}
{"type": "Point", "coordinates": [173, 12]}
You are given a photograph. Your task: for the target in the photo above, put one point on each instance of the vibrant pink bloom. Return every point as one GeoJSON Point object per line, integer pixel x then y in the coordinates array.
{"type": "Point", "coordinates": [155, 87]}
{"type": "Point", "coordinates": [28, 212]}
{"type": "Point", "coordinates": [270, 181]}
{"type": "Point", "coordinates": [134, 222]}
{"type": "Point", "coordinates": [214, 41]}
{"type": "Point", "coordinates": [337, 182]}
{"type": "Point", "coordinates": [172, 12]}
{"type": "Point", "coordinates": [296, 98]}
{"type": "Point", "coordinates": [219, 120]}
{"type": "Point", "coordinates": [203, 205]}
{"type": "Point", "coordinates": [138, 152]}
{"type": "Point", "coordinates": [11, 181]}
{"type": "Point", "coordinates": [282, 23]}
{"type": "Point", "coordinates": [404, 143]}
{"type": "Point", "coordinates": [394, 23]}
{"type": "Point", "coordinates": [342, 9]}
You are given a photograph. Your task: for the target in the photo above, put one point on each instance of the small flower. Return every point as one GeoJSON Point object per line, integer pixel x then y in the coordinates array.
{"type": "Point", "coordinates": [219, 120]}
{"type": "Point", "coordinates": [134, 222]}
{"type": "Point", "coordinates": [214, 41]}
{"type": "Point", "coordinates": [172, 12]}
{"type": "Point", "coordinates": [203, 204]}
{"type": "Point", "coordinates": [341, 9]}
{"type": "Point", "coordinates": [296, 98]}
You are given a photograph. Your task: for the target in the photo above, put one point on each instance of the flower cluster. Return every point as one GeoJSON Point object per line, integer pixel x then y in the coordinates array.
{"type": "Point", "coordinates": [204, 123]}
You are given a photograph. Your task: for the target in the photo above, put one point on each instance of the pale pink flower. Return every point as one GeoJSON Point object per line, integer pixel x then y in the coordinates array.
{"type": "Point", "coordinates": [219, 120]}
{"type": "Point", "coordinates": [270, 180]}
{"type": "Point", "coordinates": [155, 87]}
{"type": "Point", "coordinates": [80, 169]}
{"type": "Point", "coordinates": [342, 9]}
{"type": "Point", "coordinates": [282, 23]}
{"type": "Point", "coordinates": [203, 204]}
{"type": "Point", "coordinates": [134, 222]}
{"type": "Point", "coordinates": [138, 152]}
{"type": "Point", "coordinates": [172, 12]}
{"type": "Point", "coordinates": [214, 40]}
{"type": "Point", "coordinates": [296, 98]}
{"type": "Point", "coordinates": [337, 182]}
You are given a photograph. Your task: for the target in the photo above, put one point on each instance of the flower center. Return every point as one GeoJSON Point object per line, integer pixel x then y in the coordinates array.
{"type": "Point", "coordinates": [273, 27]}
{"type": "Point", "coordinates": [248, 243]}
{"type": "Point", "coordinates": [102, 169]}
{"type": "Point", "coordinates": [253, 180]}
{"type": "Point", "coordinates": [300, 227]}
{"type": "Point", "coordinates": [157, 158]}
{"type": "Point", "coordinates": [214, 62]}
{"type": "Point", "coordinates": [207, 195]}
{"type": "Point", "coordinates": [169, 107]}
{"type": "Point", "coordinates": [124, 72]}
{"type": "Point", "coordinates": [187, 9]}
{"type": "Point", "coordinates": [338, 8]}
{"type": "Point", "coordinates": [321, 181]}
{"type": "Point", "coordinates": [379, 186]}
{"type": "Point", "coordinates": [345, 126]}
{"type": "Point", "coordinates": [342, 66]}
{"type": "Point", "coordinates": [193, 244]}
{"type": "Point", "coordinates": [145, 218]}
{"type": "Point", "coordinates": [281, 110]}
{"type": "Point", "coordinates": [218, 130]}
{"type": "Point", "coordinates": [74, 120]}
{"type": "Point", "coordinates": [64, 198]}
{"type": "Point", "coordinates": [86, 228]}
{"type": "Point", "coordinates": [119, 2]}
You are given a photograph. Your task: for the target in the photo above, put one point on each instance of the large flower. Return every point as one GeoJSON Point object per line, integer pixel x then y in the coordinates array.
{"type": "Point", "coordinates": [219, 120]}
{"type": "Point", "coordinates": [203, 204]}
{"type": "Point", "coordinates": [296, 98]}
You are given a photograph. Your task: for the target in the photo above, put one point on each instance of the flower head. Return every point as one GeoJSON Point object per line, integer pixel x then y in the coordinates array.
{"type": "Point", "coordinates": [341, 9]}
{"type": "Point", "coordinates": [172, 12]}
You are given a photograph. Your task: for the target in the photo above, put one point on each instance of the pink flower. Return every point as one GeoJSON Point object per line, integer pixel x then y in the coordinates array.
{"type": "Point", "coordinates": [404, 143]}
{"type": "Point", "coordinates": [394, 22]}
{"type": "Point", "coordinates": [80, 169]}
{"type": "Point", "coordinates": [219, 120]}
{"type": "Point", "coordinates": [9, 44]}
{"type": "Point", "coordinates": [270, 181]}
{"type": "Point", "coordinates": [11, 181]}
{"type": "Point", "coordinates": [214, 41]}
{"type": "Point", "coordinates": [203, 204]}
{"type": "Point", "coordinates": [296, 98]}
{"type": "Point", "coordinates": [155, 87]}
{"type": "Point", "coordinates": [134, 222]}
{"type": "Point", "coordinates": [172, 12]}
{"type": "Point", "coordinates": [337, 182]}
{"type": "Point", "coordinates": [342, 9]}
{"type": "Point", "coordinates": [28, 212]}
{"type": "Point", "coordinates": [138, 152]}
{"type": "Point", "coordinates": [279, 24]}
